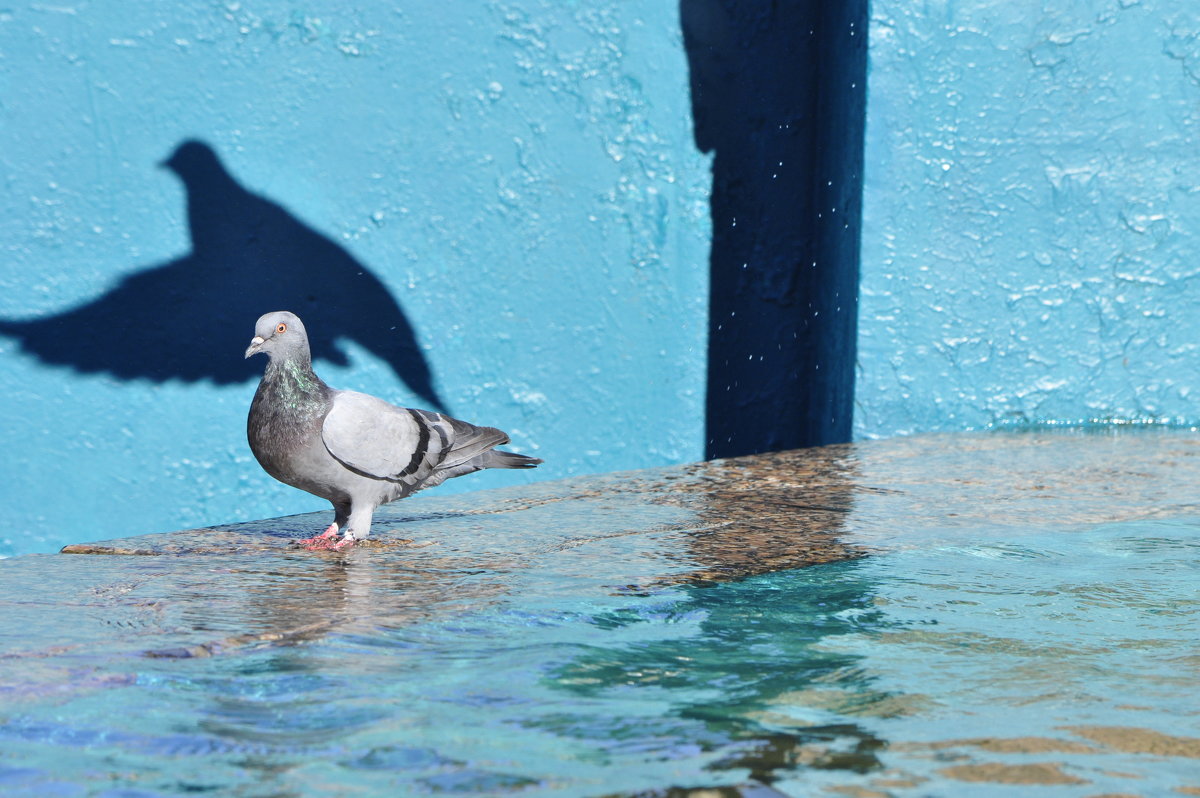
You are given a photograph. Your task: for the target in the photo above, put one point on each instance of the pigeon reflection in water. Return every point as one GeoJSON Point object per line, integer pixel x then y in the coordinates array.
{"type": "Point", "coordinates": [181, 320]}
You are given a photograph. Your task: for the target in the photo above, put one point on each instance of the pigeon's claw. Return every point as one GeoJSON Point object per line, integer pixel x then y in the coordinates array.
{"type": "Point", "coordinates": [325, 544]}
{"type": "Point", "coordinates": [328, 540]}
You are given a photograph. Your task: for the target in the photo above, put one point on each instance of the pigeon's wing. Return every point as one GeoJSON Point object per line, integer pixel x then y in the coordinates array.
{"type": "Point", "coordinates": [376, 438]}
{"type": "Point", "coordinates": [389, 442]}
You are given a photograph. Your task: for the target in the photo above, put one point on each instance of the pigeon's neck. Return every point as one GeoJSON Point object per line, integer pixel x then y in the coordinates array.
{"type": "Point", "coordinates": [287, 411]}
{"type": "Point", "coordinates": [294, 382]}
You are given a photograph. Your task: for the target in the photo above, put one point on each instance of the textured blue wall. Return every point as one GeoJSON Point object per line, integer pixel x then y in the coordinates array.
{"type": "Point", "coordinates": [522, 179]}
{"type": "Point", "coordinates": [1031, 231]}
{"type": "Point", "coordinates": [523, 188]}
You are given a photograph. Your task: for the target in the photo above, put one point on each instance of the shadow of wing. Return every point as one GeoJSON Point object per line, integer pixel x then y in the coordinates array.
{"type": "Point", "coordinates": [146, 327]}
{"type": "Point", "coordinates": [190, 318]}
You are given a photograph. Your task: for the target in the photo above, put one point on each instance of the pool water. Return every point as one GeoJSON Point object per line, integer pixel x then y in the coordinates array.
{"type": "Point", "coordinates": [1057, 662]}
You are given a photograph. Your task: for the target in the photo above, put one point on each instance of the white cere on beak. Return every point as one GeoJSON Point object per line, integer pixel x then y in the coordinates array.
{"type": "Point", "coordinates": [255, 343]}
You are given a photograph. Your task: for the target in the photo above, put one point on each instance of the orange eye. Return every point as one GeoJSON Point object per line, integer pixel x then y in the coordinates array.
{"type": "Point", "coordinates": [281, 328]}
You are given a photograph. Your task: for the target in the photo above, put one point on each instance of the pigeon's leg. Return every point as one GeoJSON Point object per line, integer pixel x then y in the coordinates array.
{"type": "Point", "coordinates": [357, 527]}
{"type": "Point", "coordinates": [356, 523]}
{"type": "Point", "coordinates": [341, 515]}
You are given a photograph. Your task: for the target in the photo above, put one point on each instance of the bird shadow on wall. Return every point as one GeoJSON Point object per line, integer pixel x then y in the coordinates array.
{"type": "Point", "coordinates": [191, 318]}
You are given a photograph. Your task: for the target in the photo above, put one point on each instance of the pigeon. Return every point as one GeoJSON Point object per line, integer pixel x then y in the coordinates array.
{"type": "Point", "coordinates": [353, 449]}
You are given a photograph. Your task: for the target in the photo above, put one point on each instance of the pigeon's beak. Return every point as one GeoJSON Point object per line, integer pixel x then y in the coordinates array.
{"type": "Point", "coordinates": [255, 345]}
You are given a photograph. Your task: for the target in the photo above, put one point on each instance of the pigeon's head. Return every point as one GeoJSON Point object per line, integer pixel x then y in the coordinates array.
{"type": "Point", "coordinates": [279, 334]}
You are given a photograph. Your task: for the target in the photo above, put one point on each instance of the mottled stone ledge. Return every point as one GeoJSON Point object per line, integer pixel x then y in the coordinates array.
{"type": "Point", "coordinates": [738, 517]}
{"type": "Point", "coordinates": [203, 591]}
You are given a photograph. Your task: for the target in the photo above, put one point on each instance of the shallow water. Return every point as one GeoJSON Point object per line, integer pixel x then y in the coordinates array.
{"type": "Point", "coordinates": [1057, 662]}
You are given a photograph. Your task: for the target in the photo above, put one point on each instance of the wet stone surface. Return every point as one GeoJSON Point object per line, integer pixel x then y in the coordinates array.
{"type": "Point", "coordinates": [604, 596]}
{"type": "Point", "coordinates": [739, 517]}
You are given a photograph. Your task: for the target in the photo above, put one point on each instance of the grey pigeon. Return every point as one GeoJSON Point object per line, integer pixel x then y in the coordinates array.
{"type": "Point", "coordinates": [355, 450]}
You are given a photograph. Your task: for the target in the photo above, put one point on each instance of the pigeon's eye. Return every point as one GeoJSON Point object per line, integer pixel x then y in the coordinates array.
{"type": "Point", "coordinates": [281, 328]}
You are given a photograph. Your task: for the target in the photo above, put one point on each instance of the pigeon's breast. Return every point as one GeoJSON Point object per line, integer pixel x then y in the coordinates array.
{"type": "Point", "coordinates": [281, 433]}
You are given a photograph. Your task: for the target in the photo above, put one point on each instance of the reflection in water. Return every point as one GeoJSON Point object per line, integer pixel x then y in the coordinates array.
{"type": "Point", "coordinates": [770, 513]}
{"type": "Point", "coordinates": [281, 697]}
{"type": "Point", "coordinates": [756, 628]}
{"type": "Point", "coordinates": [751, 645]}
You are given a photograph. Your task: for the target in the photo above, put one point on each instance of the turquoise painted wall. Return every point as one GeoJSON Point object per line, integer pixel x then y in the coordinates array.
{"type": "Point", "coordinates": [523, 188]}
{"type": "Point", "coordinates": [520, 176]}
{"type": "Point", "coordinates": [1031, 231]}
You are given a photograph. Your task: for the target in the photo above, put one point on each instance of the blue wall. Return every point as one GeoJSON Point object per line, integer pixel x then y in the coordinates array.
{"type": "Point", "coordinates": [509, 214]}
{"type": "Point", "coordinates": [522, 182]}
{"type": "Point", "coordinates": [1031, 231]}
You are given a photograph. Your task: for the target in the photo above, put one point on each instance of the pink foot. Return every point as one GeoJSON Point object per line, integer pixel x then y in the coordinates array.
{"type": "Point", "coordinates": [328, 544]}
{"type": "Point", "coordinates": [319, 542]}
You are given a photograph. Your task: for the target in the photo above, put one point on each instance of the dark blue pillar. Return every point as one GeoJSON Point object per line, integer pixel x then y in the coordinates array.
{"type": "Point", "coordinates": [778, 98]}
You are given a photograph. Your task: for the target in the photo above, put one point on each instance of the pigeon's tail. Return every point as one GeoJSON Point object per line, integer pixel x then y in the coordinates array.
{"type": "Point", "coordinates": [498, 459]}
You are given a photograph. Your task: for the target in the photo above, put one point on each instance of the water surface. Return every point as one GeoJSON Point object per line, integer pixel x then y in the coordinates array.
{"type": "Point", "coordinates": [981, 630]}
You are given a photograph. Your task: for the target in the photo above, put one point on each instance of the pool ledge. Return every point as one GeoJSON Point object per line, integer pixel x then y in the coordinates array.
{"type": "Point", "coordinates": [763, 513]}
{"type": "Point", "coordinates": [738, 517]}
{"type": "Point", "coordinates": [199, 592]}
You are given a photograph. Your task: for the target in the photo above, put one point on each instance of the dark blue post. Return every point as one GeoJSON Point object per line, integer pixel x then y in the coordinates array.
{"type": "Point", "coordinates": [778, 97]}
